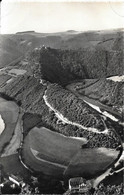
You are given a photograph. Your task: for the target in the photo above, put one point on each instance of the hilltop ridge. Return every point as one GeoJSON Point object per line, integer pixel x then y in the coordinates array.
{"type": "Point", "coordinates": [22, 42]}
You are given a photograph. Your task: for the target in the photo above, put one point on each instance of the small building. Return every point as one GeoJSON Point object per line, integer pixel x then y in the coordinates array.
{"type": "Point", "coordinates": [74, 183]}
{"type": "Point", "coordinates": [79, 184]}
{"type": "Point", "coordinates": [43, 47]}
{"type": "Point", "coordinates": [16, 180]}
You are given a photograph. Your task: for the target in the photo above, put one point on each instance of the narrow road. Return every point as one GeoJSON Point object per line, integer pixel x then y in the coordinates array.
{"type": "Point", "coordinates": [67, 121]}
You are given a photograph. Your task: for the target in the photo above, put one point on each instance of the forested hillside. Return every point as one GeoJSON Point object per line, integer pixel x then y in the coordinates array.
{"type": "Point", "coordinates": [106, 91]}
{"type": "Point", "coordinates": [63, 66]}
{"type": "Point", "coordinates": [31, 99]}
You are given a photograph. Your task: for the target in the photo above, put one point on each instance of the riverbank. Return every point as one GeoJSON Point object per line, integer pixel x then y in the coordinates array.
{"type": "Point", "coordinates": [10, 113]}
{"type": "Point", "coordinates": [15, 142]}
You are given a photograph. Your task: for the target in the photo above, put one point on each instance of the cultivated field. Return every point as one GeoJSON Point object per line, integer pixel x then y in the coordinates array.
{"type": "Point", "coordinates": [54, 154]}
{"type": "Point", "coordinates": [91, 162]}
{"type": "Point", "coordinates": [49, 152]}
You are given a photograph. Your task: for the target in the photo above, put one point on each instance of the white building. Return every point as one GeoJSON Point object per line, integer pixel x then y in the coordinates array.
{"type": "Point", "coordinates": [16, 180]}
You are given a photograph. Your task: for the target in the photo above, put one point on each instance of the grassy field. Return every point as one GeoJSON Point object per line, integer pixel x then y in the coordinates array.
{"type": "Point", "coordinates": [9, 112]}
{"type": "Point", "coordinates": [54, 154]}
{"type": "Point", "coordinates": [91, 162]}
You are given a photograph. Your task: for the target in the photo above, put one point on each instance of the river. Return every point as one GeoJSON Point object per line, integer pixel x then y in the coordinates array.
{"type": "Point", "coordinates": [65, 120]}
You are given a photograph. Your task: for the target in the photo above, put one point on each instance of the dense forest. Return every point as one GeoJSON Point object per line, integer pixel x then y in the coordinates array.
{"type": "Point", "coordinates": [30, 98]}
{"type": "Point", "coordinates": [64, 66]}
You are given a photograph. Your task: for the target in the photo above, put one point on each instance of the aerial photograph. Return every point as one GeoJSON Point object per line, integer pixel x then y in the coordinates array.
{"type": "Point", "coordinates": [61, 97]}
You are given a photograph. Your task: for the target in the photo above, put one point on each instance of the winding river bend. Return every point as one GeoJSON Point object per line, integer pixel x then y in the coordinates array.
{"type": "Point", "coordinates": [105, 114]}
{"type": "Point", "coordinates": [65, 120]}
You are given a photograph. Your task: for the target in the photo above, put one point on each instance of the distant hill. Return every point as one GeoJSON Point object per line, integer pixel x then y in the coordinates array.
{"type": "Point", "coordinates": [25, 32]}
{"type": "Point", "coordinates": [13, 46]}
